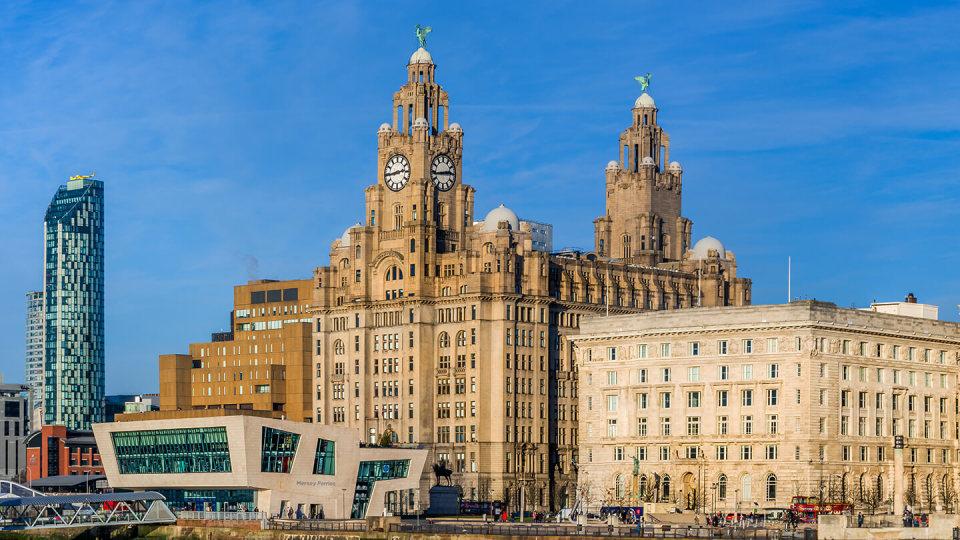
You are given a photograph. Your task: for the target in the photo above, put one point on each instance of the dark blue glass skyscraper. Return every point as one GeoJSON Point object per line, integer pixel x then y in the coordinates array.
{"type": "Point", "coordinates": [73, 287]}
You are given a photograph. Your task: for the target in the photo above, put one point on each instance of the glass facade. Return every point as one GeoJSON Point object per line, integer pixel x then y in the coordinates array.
{"type": "Point", "coordinates": [172, 451]}
{"type": "Point", "coordinates": [277, 450]}
{"type": "Point", "coordinates": [209, 500]}
{"type": "Point", "coordinates": [73, 301]}
{"type": "Point", "coordinates": [325, 461]}
{"type": "Point", "coordinates": [368, 474]}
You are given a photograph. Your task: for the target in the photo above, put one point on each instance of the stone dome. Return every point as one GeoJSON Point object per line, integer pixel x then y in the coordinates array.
{"type": "Point", "coordinates": [703, 246]}
{"type": "Point", "coordinates": [613, 166]}
{"type": "Point", "coordinates": [498, 214]}
{"type": "Point", "coordinates": [420, 123]}
{"type": "Point", "coordinates": [421, 56]}
{"type": "Point", "coordinates": [647, 161]}
{"type": "Point", "coordinates": [644, 101]}
{"type": "Point", "coordinates": [384, 128]}
{"type": "Point", "coordinates": [345, 237]}
{"type": "Point", "coordinates": [675, 166]}
{"type": "Point", "coordinates": [455, 127]}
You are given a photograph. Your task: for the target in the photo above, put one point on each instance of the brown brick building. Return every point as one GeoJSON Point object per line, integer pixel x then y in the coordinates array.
{"type": "Point", "coordinates": [57, 451]}
{"type": "Point", "coordinates": [263, 363]}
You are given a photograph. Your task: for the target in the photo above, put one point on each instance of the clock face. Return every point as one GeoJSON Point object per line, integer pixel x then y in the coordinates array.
{"type": "Point", "coordinates": [443, 171]}
{"type": "Point", "coordinates": [397, 172]}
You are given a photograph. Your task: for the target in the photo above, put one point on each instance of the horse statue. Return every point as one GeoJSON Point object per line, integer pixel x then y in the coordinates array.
{"type": "Point", "coordinates": [644, 81]}
{"type": "Point", "coordinates": [441, 471]}
{"type": "Point", "coordinates": [422, 32]}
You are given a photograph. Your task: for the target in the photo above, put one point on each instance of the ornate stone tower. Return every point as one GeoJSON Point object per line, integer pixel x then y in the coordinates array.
{"type": "Point", "coordinates": [419, 193]}
{"type": "Point", "coordinates": [643, 223]}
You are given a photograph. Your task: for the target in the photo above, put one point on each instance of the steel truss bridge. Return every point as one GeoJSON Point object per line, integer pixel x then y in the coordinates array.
{"type": "Point", "coordinates": [23, 508]}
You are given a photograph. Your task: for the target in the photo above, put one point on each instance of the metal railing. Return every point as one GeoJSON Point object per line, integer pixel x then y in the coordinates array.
{"type": "Point", "coordinates": [222, 516]}
{"type": "Point", "coordinates": [667, 531]}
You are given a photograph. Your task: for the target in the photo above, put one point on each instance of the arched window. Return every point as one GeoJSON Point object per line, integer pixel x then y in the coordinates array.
{"type": "Point", "coordinates": [461, 338]}
{"type": "Point", "coordinates": [771, 487]}
{"type": "Point", "coordinates": [746, 493]}
{"type": "Point", "coordinates": [620, 488]}
{"type": "Point", "coordinates": [397, 217]}
{"type": "Point", "coordinates": [643, 487]}
{"type": "Point", "coordinates": [722, 487]}
{"type": "Point", "coordinates": [444, 339]}
{"type": "Point", "coordinates": [338, 347]}
{"type": "Point", "coordinates": [626, 246]}
{"type": "Point", "coordinates": [665, 486]}
{"type": "Point", "coordinates": [356, 254]}
{"type": "Point", "coordinates": [880, 487]}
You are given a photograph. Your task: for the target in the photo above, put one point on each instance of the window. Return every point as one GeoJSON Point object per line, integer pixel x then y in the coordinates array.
{"type": "Point", "coordinates": [722, 398]}
{"type": "Point", "coordinates": [774, 371]}
{"type": "Point", "coordinates": [722, 453]}
{"type": "Point", "coordinates": [722, 347]}
{"type": "Point", "coordinates": [721, 425]}
{"type": "Point", "coordinates": [664, 350]}
{"type": "Point", "coordinates": [746, 452]}
{"type": "Point", "coordinates": [724, 374]}
{"type": "Point", "coordinates": [612, 403]}
{"type": "Point", "coordinates": [772, 345]}
{"type": "Point", "coordinates": [612, 427]}
{"type": "Point", "coordinates": [772, 397]}
{"type": "Point", "coordinates": [695, 348]}
{"type": "Point", "coordinates": [172, 451]}
{"type": "Point", "coordinates": [665, 374]}
{"type": "Point", "coordinates": [664, 400]}
{"type": "Point", "coordinates": [693, 425]}
{"type": "Point", "coordinates": [747, 346]}
{"type": "Point", "coordinates": [770, 451]}
{"type": "Point", "coordinates": [324, 461]}
{"type": "Point", "coordinates": [665, 427]}
{"type": "Point", "coordinates": [693, 399]}
{"type": "Point", "coordinates": [746, 398]}
{"type": "Point", "coordinates": [611, 353]}
{"type": "Point", "coordinates": [771, 488]}
{"type": "Point", "coordinates": [693, 374]}
{"type": "Point", "coordinates": [722, 487]}
{"type": "Point", "coordinates": [277, 450]}
{"type": "Point", "coordinates": [747, 372]}
{"type": "Point", "coordinates": [746, 425]}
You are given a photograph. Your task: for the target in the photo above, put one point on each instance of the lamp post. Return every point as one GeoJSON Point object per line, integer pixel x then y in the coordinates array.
{"type": "Point", "coordinates": [713, 498]}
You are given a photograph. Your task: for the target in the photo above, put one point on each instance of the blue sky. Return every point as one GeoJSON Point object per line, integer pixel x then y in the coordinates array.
{"type": "Point", "coordinates": [235, 138]}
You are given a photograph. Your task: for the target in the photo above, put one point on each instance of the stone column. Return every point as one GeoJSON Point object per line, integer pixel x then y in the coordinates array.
{"type": "Point", "coordinates": [898, 476]}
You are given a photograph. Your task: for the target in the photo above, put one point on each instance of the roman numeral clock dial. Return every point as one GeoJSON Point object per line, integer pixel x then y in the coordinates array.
{"type": "Point", "coordinates": [396, 173]}
{"type": "Point", "coordinates": [443, 171]}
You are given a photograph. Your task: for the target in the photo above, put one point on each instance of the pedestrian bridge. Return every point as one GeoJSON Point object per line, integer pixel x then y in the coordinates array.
{"type": "Point", "coordinates": [22, 508]}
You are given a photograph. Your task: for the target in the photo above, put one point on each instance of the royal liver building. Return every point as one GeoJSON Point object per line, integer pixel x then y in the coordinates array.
{"type": "Point", "coordinates": [437, 328]}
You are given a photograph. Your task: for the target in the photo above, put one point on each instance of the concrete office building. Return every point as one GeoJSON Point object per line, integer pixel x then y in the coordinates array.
{"type": "Point", "coordinates": [745, 407]}
{"type": "Point", "coordinates": [15, 405]}
{"type": "Point", "coordinates": [34, 343]}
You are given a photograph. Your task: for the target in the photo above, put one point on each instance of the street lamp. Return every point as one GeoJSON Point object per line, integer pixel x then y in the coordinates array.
{"type": "Point", "coordinates": [713, 498]}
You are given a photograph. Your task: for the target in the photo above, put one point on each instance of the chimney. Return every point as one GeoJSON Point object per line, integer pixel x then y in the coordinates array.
{"type": "Point", "coordinates": [910, 299]}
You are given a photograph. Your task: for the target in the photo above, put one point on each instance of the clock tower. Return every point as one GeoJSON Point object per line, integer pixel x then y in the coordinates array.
{"type": "Point", "coordinates": [419, 196]}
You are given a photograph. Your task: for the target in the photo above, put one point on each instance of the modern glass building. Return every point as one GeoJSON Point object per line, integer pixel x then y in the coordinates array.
{"type": "Point", "coordinates": [73, 294]}
{"type": "Point", "coordinates": [33, 344]}
{"type": "Point", "coordinates": [222, 460]}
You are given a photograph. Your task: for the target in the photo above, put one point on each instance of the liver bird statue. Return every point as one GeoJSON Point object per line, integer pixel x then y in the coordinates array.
{"type": "Point", "coordinates": [644, 81]}
{"type": "Point", "coordinates": [422, 32]}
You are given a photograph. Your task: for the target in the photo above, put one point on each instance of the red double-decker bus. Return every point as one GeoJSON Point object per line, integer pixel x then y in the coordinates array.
{"type": "Point", "coordinates": [808, 508]}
